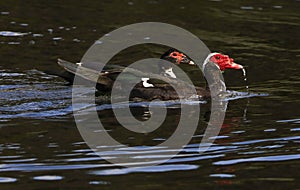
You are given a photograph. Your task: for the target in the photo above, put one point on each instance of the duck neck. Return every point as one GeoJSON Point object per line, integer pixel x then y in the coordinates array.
{"type": "Point", "coordinates": [213, 77]}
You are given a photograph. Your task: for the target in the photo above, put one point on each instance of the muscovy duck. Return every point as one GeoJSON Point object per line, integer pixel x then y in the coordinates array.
{"type": "Point", "coordinates": [166, 92]}
{"type": "Point", "coordinates": [145, 90]}
{"type": "Point", "coordinates": [109, 73]}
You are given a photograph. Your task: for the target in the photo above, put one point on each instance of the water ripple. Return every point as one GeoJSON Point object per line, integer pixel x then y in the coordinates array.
{"type": "Point", "coordinates": [12, 34]}
{"type": "Point", "coordinates": [48, 178]}
{"type": "Point", "coordinates": [296, 121]}
{"type": "Point", "coordinates": [32, 94]}
{"type": "Point", "coordinates": [7, 180]}
{"type": "Point", "coordinates": [159, 168]}
{"type": "Point", "coordinates": [266, 140]}
{"type": "Point", "coordinates": [260, 159]}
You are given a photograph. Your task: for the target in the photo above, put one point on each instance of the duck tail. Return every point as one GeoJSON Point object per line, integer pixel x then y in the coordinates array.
{"type": "Point", "coordinates": [85, 73]}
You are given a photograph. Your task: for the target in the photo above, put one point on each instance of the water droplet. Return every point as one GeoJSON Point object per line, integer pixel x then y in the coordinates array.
{"type": "Point", "coordinates": [245, 79]}
{"type": "Point", "coordinates": [50, 30]}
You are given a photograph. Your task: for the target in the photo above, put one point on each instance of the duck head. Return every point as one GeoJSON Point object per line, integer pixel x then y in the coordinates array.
{"type": "Point", "coordinates": [177, 57]}
{"type": "Point", "coordinates": [222, 61]}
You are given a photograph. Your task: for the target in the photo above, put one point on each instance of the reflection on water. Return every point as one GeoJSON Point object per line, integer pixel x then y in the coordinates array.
{"type": "Point", "coordinates": [48, 178]}
{"type": "Point", "coordinates": [11, 34]}
{"type": "Point", "coordinates": [32, 94]}
{"type": "Point", "coordinates": [258, 144]}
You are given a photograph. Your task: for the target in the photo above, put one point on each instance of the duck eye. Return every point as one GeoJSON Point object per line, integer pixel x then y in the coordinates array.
{"type": "Point", "coordinates": [174, 54]}
{"type": "Point", "coordinates": [217, 57]}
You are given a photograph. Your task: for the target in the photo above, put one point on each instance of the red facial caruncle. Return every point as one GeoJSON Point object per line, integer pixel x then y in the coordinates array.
{"type": "Point", "coordinates": [224, 62]}
{"type": "Point", "coordinates": [178, 56]}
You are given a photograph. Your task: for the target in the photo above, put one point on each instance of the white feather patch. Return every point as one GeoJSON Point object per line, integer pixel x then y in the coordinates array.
{"type": "Point", "coordinates": [79, 64]}
{"type": "Point", "coordinates": [170, 72]}
{"type": "Point", "coordinates": [146, 84]}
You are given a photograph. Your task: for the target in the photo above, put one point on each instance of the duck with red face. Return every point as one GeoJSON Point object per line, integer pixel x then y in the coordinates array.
{"type": "Point", "coordinates": [222, 61]}
{"type": "Point", "coordinates": [165, 92]}
{"type": "Point", "coordinates": [177, 57]}
{"type": "Point", "coordinates": [147, 90]}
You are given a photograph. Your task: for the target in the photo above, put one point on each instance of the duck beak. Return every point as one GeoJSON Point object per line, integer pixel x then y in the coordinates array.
{"type": "Point", "coordinates": [235, 66]}
{"type": "Point", "coordinates": [192, 63]}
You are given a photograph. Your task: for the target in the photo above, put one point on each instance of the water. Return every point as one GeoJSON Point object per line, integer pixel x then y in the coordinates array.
{"type": "Point", "coordinates": [245, 79]}
{"type": "Point", "coordinates": [33, 94]}
{"type": "Point", "coordinates": [258, 144]}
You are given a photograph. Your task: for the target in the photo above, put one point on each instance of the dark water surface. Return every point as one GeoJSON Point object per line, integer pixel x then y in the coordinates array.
{"type": "Point", "coordinates": [258, 145]}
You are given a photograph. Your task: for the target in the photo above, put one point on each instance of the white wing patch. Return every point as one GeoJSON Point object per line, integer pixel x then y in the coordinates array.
{"type": "Point", "coordinates": [79, 64]}
{"type": "Point", "coordinates": [146, 84]}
